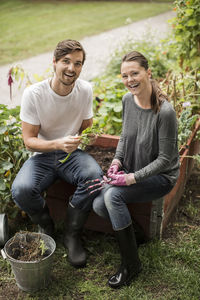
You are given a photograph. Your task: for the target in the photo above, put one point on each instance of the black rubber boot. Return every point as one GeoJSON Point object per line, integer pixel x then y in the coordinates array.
{"type": "Point", "coordinates": [44, 221]}
{"type": "Point", "coordinates": [140, 236]}
{"type": "Point", "coordinates": [76, 219]}
{"type": "Point", "coordinates": [130, 262]}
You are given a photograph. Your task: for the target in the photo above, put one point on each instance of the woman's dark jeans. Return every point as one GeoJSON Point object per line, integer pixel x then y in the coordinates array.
{"type": "Point", "coordinates": [111, 202]}
{"type": "Point", "coordinates": [41, 170]}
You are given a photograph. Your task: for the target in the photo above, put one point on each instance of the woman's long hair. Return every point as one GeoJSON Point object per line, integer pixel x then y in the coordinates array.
{"type": "Point", "coordinates": [157, 96]}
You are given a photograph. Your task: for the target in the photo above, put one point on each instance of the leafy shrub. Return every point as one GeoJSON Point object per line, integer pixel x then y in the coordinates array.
{"type": "Point", "coordinates": [156, 52]}
{"type": "Point", "coordinates": [183, 89]}
{"type": "Point", "coordinates": [186, 123]}
{"type": "Point", "coordinates": [186, 26]}
{"type": "Point", "coordinates": [13, 154]}
{"type": "Point", "coordinates": [108, 106]}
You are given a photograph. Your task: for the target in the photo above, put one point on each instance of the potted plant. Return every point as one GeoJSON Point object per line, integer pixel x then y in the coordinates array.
{"type": "Point", "coordinates": [30, 255]}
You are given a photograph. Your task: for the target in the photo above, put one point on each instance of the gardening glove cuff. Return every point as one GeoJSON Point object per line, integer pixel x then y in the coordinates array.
{"type": "Point", "coordinates": [116, 162]}
{"type": "Point", "coordinates": [130, 178]}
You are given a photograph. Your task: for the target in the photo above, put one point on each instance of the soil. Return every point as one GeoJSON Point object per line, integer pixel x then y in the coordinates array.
{"type": "Point", "coordinates": [27, 246]}
{"type": "Point", "coordinates": [103, 156]}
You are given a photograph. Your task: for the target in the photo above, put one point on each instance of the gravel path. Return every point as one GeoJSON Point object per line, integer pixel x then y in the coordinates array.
{"type": "Point", "coordinates": [98, 49]}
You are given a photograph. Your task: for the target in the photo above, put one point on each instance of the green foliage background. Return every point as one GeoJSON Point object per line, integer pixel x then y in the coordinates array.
{"type": "Point", "coordinates": [13, 155]}
{"type": "Point", "coordinates": [186, 26]}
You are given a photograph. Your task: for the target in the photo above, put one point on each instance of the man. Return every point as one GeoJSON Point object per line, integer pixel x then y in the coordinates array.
{"type": "Point", "coordinates": [54, 112]}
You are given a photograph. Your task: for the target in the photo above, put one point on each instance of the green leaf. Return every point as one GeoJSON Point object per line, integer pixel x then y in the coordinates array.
{"type": "Point", "coordinates": [192, 22]}
{"type": "Point", "coordinates": [2, 185]}
{"type": "Point", "coordinates": [179, 38]}
{"type": "Point", "coordinates": [103, 111]}
{"type": "Point", "coordinates": [22, 76]}
{"type": "Point", "coordinates": [37, 77]}
{"type": "Point", "coordinates": [3, 129]}
{"type": "Point", "coordinates": [116, 120]}
{"type": "Point", "coordinates": [16, 154]}
{"type": "Point", "coordinates": [118, 108]}
{"type": "Point", "coordinates": [6, 165]}
{"type": "Point", "coordinates": [193, 52]}
{"type": "Point", "coordinates": [110, 104]}
{"type": "Point", "coordinates": [179, 26]}
{"type": "Point", "coordinates": [101, 96]}
{"type": "Point", "coordinates": [189, 11]}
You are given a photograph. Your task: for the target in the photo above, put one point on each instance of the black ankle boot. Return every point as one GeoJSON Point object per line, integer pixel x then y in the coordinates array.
{"type": "Point", "coordinates": [131, 265]}
{"type": "Point", "coordinates": [44, 221]}
{"type": "Point", "coordinates": [76, 219]}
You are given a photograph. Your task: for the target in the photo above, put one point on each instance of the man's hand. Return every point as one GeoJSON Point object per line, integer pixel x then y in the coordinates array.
{"type": "Point", "coordinates": [68, 144]}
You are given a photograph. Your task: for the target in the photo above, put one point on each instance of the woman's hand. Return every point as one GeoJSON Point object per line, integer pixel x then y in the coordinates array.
{"type": "Point", "coordinates": [122, 179]}
{"type": "Point", "coordinates": [114, 168]}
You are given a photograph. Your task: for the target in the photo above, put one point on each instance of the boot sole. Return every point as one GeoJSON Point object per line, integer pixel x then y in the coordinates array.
{"type": "Point", "coordinates": [72, 263]}
{"type": "Point", "coordinates": [127, 282]}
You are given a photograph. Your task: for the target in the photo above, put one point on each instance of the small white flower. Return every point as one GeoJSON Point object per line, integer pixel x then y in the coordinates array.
{"type": "Point", "coordinates": [128, 21]}
{"type": "Point", "coordinates": [185, 104]}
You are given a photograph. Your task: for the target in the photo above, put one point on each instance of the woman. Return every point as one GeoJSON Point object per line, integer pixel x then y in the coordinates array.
{"type": "Point", "coordinates": [146, 163]}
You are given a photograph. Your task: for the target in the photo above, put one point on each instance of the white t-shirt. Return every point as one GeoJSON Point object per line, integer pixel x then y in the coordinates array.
{"type": "Point", "coordinates": [58, 116]}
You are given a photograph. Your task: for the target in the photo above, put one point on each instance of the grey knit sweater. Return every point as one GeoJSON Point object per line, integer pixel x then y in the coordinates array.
{"type": "Point", "coordinates": [148, 143]}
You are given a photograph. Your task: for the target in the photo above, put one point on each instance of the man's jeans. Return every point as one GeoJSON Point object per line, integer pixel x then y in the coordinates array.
{"type": "Point", "coordinates": [41, 170]}
{"type": "Point", "coordinates": [111, 202]}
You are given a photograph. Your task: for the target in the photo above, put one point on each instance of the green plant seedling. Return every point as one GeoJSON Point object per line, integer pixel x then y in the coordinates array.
{"type": "Point", "coordinates": [86, 136]}
{"type": "Point", "coordinates": [43, 247]}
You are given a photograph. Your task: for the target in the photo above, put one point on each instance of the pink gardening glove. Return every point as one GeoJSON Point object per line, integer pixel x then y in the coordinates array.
{"type": "Point", "coordinates": [116, 164]}
{"type": "Point", "coordinates": [122, 179]}
{"type": "Point", "coordinates": [112, 170]}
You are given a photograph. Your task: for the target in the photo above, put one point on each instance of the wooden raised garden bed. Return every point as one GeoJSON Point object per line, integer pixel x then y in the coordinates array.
{"type": "Point", "coordinates": [153, 217]}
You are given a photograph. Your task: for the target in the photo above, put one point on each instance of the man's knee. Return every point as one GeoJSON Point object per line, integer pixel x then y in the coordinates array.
{"type": "Point", "coordinates": [91, 173]}
{"type": "Point", "coordinates": [21, 192]}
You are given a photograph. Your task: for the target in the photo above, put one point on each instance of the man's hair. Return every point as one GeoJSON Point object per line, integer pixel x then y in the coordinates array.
{"type": "Point", "coordinates": [158, 95]}
{"type": "Point", "coordinates": [66, 47]}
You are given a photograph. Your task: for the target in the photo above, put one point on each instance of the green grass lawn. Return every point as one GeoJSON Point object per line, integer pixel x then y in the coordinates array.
{"type": "Point", "coordinates": [32, 27]}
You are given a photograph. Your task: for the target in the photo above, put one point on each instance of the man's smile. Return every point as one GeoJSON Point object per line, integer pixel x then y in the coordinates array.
{"type": "Point", "coordinates": [69, 75]}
